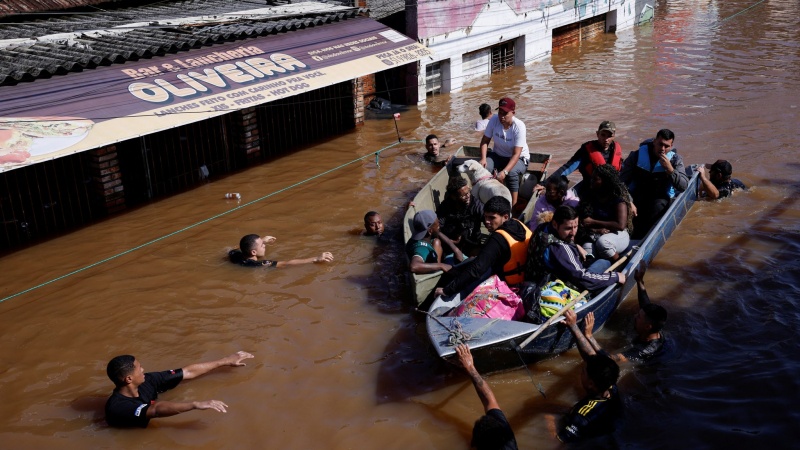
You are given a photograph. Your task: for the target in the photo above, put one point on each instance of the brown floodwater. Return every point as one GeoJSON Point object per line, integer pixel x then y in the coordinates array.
{"type": "Point", "coordinates": [341, 361]}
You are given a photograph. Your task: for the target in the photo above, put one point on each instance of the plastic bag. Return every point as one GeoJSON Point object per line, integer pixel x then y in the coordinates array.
{"type": "Point", "coordinates": [491, 299]}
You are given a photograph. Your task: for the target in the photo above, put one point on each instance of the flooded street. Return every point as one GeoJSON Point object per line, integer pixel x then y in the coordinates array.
{"type": "Point", "coordinates": [340, 361]}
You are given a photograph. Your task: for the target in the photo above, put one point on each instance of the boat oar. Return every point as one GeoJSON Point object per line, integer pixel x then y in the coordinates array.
{"type": "Point", "coordinates": [569, 305]}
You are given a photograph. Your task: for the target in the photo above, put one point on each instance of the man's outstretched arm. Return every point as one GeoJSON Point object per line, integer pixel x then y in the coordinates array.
{"type": "Point", "coordinates": [484, 391]}
{"type": "Point", "coordinates": [325, 257]}
{"type": "Point", "coordinates": [166, 409]}
{"type": "Point", "coordinates": [195, 370]}
{"type": "Point", "coordinates": [571, 321]}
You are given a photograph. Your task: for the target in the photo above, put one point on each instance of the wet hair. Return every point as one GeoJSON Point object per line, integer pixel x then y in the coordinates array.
{"type": "Point", "coordinates": [248, 243]}
{"type": "Point", "coordinates": [120, 367]}
{"type": "Point", "coordinates": [723, 167]}
{"type": "Point", "coordinates": [489, 433]}
{"type": "Point", "coordinates": [656, 316]}
{"type": "Point", "coordinates": [429, 137]}
{"type": "Point", "coordinates": [485, 110]}
{"type": "Point", "coordinates": [665, 134]}
{"type": "Point", "coordinates": [370, 214]}
{"type": "Point", "coordinates": [564, 213]}
{"type": "Point", "coordinates": [561, 183]}
{"type": "Point", "coordinates": [455, 183]}
{"type": "Point", "coordinates": [612, 186]}
{"type": "Point", "coordinates": [497, 205]}
{"type": "Point", "coordinates": [602, 370]}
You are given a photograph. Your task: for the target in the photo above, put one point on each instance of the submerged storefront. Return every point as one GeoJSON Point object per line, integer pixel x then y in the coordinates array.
{"type": "Point", "coordinates": [82, 145]}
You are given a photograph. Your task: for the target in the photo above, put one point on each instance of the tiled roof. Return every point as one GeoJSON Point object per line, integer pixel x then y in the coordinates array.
{"type": "Point", "coordinates": [9, 7]}
{"type": "Point", "coordinates": [65, 43]}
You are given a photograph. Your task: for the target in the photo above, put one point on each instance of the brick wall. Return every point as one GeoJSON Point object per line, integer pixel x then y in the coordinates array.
{"type": "Point", "coordinates": [107, 178]}
{"type": "Point", "coordinates": [246, 136]}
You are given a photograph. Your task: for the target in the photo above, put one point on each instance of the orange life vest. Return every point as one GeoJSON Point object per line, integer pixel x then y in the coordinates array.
{"type": "Point", "coordinates": [514, 268]}
{"type": "Point", "coordinates": [596, 156]}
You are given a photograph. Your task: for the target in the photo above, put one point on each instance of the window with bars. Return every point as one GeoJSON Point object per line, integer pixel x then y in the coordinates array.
{"type": "Point", "coordinates": [502, 56]}
{"type": "Point", "coordinates": [433, 78]}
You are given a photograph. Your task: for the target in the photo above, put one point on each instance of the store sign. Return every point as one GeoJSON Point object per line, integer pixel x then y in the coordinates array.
{"type": "Point", "coordinates": [51, 118]}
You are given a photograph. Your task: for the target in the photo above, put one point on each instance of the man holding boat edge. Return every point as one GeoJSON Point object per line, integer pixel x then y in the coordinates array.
{"type": "Point", "coordinates": [595, 414]}
{"type": "Point", "coordinates": [649, 322]}
{"type": "Point", "coordinates": [492, 430]}
{"type": "Point", "coordinates": [133, 402]}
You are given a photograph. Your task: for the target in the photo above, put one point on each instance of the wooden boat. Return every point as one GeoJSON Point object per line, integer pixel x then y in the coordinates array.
{"type": "Point", "coordinates": [495, 344]}
{"type": "Point", "coordinates": [432, 195]}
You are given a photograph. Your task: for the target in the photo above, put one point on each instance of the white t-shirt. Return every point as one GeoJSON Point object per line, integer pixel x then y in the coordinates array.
{"type": "Point", "coordinates": [504, 140]}
{"type": "Point", "coordinates": [481, 124]}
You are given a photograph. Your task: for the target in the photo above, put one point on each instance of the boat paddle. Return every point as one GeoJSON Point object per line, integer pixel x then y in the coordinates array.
{"type": "Point", "coordinates": [570, 304]}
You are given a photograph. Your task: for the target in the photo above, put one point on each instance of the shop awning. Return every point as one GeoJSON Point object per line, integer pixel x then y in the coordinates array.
{"type": "Point", "coordinates": [55, 117]}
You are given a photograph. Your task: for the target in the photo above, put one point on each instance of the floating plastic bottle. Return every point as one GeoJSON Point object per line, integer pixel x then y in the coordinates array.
{"type": "Point", "coordinates": [233, 195]}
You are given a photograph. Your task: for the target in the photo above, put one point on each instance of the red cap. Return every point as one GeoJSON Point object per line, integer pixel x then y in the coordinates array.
{"type": "Point", "coordinates": [507, 105]}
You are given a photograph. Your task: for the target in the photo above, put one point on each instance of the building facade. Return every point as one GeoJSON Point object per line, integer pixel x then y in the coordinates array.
{"type": "Point", "coordinates": [473, 38]}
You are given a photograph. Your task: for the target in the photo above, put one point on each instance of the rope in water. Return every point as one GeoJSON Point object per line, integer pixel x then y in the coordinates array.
{"type": "Point", "coordinates": [742, 11]}
{"type": "Point", "coordinates": [196, 224]}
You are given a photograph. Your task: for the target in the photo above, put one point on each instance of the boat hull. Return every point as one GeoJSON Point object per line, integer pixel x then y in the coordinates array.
{"type": "Point", "coordinates": [495, 343]}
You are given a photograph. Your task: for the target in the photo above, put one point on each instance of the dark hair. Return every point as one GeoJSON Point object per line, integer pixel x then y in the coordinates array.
{"type": "Point", "coordinates": [612, 186]}
{"type": "Point", "coordinates": [485, 110]}
{"type": "Point", "coordinates": [561, 183]}
{"type": "Point", "coordinates": [564, 213]}
{"type": "Point", "coordinates": [656, 316]}
{"type": "Point", "coordinates": [248, 243]}
{"type": "Point", "coordinates": [602, 370]}
{"type": "Point", "coordinates": [665, 134]}
{"type": "Point", "coordinates": [723, 167]}
{"type": "Point", "coordinates": [455, 183]}
{"type": "Point", "coordinates": [120, 367]}
{"type": "Point", "coordinates": [429, 137]}
{"type": "Point", "coordinates": [497, 205]}
{"type": "Point", "coordinates": [370, 214]}
{"type": "Point", "coordinates": [489, 433]}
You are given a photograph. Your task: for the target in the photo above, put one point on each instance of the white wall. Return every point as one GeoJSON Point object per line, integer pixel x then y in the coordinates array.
{"type": "Point", "coordinates": [532, 32]}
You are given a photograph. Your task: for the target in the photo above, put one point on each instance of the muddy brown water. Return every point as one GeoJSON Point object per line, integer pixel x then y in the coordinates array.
{"type": "Point", "coordinates": [340, 359]}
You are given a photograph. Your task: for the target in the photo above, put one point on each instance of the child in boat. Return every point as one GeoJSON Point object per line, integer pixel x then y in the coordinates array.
{"type": "Point", "coordinates": [556, 193]}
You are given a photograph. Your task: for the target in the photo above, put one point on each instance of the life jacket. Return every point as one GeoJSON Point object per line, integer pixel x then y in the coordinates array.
{"type": "Point", "coordinates": [596, 157]}
{"type": "Point", "coordinates": [514, 268]}
{"type": "Point", "coordinates": [651, 184]}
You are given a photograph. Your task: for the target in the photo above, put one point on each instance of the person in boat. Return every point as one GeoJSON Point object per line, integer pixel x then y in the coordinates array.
{"type": "Point", "coordinates": [133, 402]}
{"type": "Point", "coordinates": [504, 253]}
{"type": "Point", "coordinates": [460, 215]}
{"type": "Point", "coordinates": [605, 215]}
{"type": "Point", "coordinates": [648, 324]}
{"type": "Point", "coordinates": [510, 155]}
{"type": "Point", "coordinates": [597, 413]}
{"type": "Point", "coordinates": [425, 249]}
{"type": "Point", "coordinates": [486, 113]}
{"type": "Point", "coordinates": [603, 150]}
{"type": "Point", "coordinates": [253, 247]}
{"type": "Point", "coordinates": [373, 224]}
{"type": "Point", "coordinates": [556, 193]}
{"type": "Point", "coordinates": [553, 254]}
{"type": "Point", "coordinates": [716, 181]}
{"type": "Point", "coordinates": [654, 175]}
{"type": "Point", "coordinates": [433, 152]}
{"type": "Point", "coordinates": [492, 430]}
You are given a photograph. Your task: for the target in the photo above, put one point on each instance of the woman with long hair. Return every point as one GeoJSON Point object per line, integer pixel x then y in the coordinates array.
{"type": "Point", "coordinates": [605, 218]}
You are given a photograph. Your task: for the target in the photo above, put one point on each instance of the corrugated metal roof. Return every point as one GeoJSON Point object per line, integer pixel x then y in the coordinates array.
{"type": "Point", "coordinates": [66, 43]}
